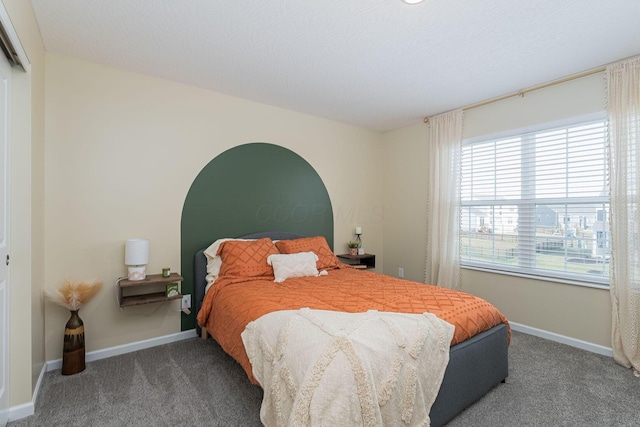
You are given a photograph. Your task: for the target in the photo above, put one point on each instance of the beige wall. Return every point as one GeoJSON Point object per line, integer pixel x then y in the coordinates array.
{"type": "Point", "coordinates": [26, 316]}
{"type": "Point", "coordinates": [122, 151]}
{"type": "Point", "coordinates": [405, 200]}
{"type": "Point", "coordinates": [574, 311]}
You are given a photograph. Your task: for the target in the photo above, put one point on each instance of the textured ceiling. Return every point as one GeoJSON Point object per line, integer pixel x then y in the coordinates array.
{"type": "Point", "coordinates": [379, 64]}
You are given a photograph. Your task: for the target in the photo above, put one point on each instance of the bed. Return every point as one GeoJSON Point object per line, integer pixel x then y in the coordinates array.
{"type": "Point", "coordinates": [476, 363]}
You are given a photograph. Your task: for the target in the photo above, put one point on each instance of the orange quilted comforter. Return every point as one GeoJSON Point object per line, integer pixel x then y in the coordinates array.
{"type": "Point", "coordinates": [231, 304]}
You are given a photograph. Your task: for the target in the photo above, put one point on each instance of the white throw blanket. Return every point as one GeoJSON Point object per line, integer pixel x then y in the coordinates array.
{"type": "Point", "coordinates": [329, 368]}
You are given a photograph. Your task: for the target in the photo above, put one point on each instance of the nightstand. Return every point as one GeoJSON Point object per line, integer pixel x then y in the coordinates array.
{"type": "Point", "coordinates": [358, 261]}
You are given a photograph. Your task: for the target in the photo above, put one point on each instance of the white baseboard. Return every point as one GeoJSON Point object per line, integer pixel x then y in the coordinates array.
{"type": "Point", "coordinates": [22, 411]}
{"type": "Point", "coordinates": [573, 342]}
{"type": "Point", "coordinates": [28, 409]}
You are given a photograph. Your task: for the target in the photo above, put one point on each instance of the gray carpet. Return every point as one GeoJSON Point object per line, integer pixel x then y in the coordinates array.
{"type": "Point", "coordinates": [194, 382]}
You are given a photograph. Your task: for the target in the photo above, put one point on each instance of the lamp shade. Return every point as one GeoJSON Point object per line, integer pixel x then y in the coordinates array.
{"type": "Point", "coordinates": [136, 252]}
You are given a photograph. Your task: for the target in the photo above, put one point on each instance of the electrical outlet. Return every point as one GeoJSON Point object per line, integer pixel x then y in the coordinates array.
{"type": "Point", "coordinates": [400, 272]}
{"type": "Point", "coordinates": [186, 301]}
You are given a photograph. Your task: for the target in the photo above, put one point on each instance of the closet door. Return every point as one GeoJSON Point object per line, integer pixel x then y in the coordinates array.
{"type": "Point", "coordinates": [5, 80]}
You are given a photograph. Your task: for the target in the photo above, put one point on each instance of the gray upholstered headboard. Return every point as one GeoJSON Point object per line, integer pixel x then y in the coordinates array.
{"type": "Point", "coordinates": [200, 263]}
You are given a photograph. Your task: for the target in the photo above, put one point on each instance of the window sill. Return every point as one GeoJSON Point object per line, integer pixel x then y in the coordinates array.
{"type": "Point", "coordinates": [541, 278]}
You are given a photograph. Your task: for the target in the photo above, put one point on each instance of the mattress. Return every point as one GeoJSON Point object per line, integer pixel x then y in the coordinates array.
{"type": "Point", "coordinates": [232, 303]}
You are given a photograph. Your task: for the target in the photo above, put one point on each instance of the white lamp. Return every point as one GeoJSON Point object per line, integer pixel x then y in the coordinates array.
{"type": "Point", "coordinates": [136, 256]}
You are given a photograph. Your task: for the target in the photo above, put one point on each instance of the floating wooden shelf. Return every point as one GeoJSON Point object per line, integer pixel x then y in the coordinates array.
{"type": "Point", "coordinates": [147, 298]}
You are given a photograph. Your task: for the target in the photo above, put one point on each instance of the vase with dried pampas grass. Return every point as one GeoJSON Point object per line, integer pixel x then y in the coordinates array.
{"type": "Point", "coordinates": [73, 296]}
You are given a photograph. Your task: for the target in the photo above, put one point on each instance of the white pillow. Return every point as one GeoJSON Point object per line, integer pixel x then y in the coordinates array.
{"type": "Point", "coordinates": [301, 264]}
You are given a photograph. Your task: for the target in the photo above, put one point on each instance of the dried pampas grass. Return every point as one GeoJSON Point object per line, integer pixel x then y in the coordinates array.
{"type": "Point", "coordinates": [73, 295]}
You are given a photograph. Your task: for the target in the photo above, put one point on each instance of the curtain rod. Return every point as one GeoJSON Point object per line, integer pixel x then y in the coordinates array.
{"type": "Point", "coordinates": [531, 89]}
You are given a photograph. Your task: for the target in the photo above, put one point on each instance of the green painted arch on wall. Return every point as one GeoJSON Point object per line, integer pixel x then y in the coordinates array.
{"type": "Point", "coordinates": [246, 189]}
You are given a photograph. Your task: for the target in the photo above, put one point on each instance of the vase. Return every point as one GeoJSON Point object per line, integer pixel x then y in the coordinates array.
{"type": "Point", "coordinates": [73, 349]}
{"type": "Point", "coordinates": [353, 251]}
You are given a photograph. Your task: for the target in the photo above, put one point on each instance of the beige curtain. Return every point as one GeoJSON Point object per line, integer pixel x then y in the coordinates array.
{"type": "Point", "coordinates": [623, 110]}
{"type": "Point", "coordinates": [443, 201]}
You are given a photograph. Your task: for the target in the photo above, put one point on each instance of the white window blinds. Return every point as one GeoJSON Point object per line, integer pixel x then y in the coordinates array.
{"type": "Point", "coordinates": [537, 203]}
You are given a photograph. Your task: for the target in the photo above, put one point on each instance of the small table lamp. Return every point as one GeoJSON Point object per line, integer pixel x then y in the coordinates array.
{"type": "Point", "coordinates": [136, 257]}
{"type": "Point", "coordinates": [359, 240]}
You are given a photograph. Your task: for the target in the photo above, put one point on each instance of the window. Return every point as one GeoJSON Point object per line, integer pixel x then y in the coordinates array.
{"type": "Point", "coordinates": [537, 203]}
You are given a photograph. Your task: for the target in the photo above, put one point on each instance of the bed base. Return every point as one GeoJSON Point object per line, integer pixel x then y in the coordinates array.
{"type": "Point", "coordinates": [475, 365]}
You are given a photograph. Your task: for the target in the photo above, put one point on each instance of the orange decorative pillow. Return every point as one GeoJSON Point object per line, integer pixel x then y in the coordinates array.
{"type": "Point", "coordinates": [318, 245]}
{"type": "Point", "coordinates": [246, 258]}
